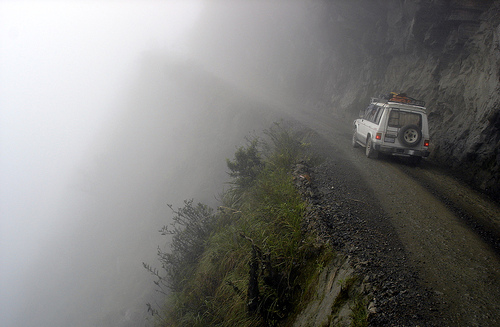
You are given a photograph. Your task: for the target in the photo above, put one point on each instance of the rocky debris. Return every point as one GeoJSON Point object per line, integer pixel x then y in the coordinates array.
{"type": "Point", "coordinates": [344, 214]}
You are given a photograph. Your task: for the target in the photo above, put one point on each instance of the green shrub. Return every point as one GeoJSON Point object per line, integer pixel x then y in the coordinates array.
{"type": "Point", "coordinates": [243, 265]}
{"type": "Point", "coordinates": [246, 165]}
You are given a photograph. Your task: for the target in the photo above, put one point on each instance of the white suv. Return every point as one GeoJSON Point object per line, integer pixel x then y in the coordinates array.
{"type": "Point", "coordinates": [395, 125]}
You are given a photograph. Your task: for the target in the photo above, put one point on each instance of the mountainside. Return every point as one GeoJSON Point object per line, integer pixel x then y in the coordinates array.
{"type": "Point", "coordinates": [335, 55]}
{"type": "Point", "coordinates": [444, 52]}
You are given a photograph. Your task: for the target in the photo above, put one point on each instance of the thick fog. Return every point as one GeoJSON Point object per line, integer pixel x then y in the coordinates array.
{"type": "Point", "coordinates": [109, 111]}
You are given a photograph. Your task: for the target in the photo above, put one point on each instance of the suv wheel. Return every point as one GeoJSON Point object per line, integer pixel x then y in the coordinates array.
{"type": "Point", "coordinates": [355, 139]}
{"type": "Point", "coordinates": [410, 135]}
{"type": "Point", "coordinates": [370, 151]}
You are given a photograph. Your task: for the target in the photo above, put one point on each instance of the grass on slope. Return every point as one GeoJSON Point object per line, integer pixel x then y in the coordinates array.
{"type": "Point", "coordinates": [249, 263]}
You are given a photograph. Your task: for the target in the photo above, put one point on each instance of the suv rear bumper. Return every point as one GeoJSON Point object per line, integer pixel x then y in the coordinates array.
{"type": "Point", "coordinates": [401, 151]}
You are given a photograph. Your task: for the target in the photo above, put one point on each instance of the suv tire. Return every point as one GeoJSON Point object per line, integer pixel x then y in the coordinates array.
{"type": "Point", "coordinates": [410, 135]}
{"type": "Point", "coordinates": [370, 151]}
{"type": "Point", "coordinates": [355, 139]}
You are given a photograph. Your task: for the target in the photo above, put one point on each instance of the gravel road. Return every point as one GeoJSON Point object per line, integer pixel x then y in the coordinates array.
{"type": "Point", "coordinates": [427, 242]}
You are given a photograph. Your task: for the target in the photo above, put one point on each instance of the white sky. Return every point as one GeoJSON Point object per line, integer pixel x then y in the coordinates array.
{"type": "Point", "coordinates": [63, 65]}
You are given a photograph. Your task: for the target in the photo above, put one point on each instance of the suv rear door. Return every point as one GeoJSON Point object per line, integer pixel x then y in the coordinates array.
{"type": "Point", "coordinates": [398, 119]}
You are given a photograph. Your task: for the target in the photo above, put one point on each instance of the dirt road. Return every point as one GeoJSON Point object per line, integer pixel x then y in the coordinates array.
{"type": "Point", "coordinates": [449, 232]}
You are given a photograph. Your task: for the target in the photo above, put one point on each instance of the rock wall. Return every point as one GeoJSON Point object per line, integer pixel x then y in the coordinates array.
{"type": "Point", "coordinates": [330, 304]}
{"type": "Point", "coordinates": [444, 52]}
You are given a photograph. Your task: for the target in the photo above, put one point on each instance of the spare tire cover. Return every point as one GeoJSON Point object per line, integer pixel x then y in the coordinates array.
{"type": "Point", "coordinates": [410, 135]}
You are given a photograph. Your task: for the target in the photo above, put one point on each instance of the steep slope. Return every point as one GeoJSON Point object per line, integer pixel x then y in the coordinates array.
{"type": "Point", "coordinates": [173, 128]}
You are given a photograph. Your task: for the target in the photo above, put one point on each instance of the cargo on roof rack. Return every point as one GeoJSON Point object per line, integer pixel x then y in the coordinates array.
{"type": "Point", "coordinates": [399, 98]}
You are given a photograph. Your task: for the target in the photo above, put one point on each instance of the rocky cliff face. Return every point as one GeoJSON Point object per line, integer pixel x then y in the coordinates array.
{"type": "Point", "coordinates": [444, 52]}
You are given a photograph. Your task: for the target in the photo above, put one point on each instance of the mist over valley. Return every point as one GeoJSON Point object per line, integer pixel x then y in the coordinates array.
{"type": "Point", "coordinates": [111, 111]}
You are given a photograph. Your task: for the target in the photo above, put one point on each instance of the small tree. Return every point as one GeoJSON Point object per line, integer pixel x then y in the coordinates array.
{"type": "Point", "coordinates": [246, 165]}
{"type": "Point", "coordinates": [190, 231]}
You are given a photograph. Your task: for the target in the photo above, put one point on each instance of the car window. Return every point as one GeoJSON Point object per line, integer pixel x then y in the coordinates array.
{"type": "Point", "coordinates": [371, 112]}
{"type": "Point", "coordinates": [378, 115]}
{"type": "Point", "coordinates": [399, 118]}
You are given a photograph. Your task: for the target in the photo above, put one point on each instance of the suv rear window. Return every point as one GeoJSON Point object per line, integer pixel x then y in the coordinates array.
{"type": "Point", "coordinates": [399, 118]}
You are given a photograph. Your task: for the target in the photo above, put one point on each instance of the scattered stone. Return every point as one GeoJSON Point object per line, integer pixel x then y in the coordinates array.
{"type": "Point", "coordinates": [372, 309]}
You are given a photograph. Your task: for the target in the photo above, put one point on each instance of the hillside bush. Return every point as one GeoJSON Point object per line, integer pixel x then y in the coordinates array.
{"type": "Point", "coordinates": [247, 263]}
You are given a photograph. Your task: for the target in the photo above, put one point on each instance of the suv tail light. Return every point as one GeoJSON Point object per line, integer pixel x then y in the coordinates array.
{"type": "Point", "coordinates": [378, 136]}
{"type": "Point", "coordinates": [426, 143]}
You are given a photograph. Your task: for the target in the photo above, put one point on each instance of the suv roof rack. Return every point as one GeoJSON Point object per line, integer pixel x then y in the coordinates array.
{"type": "Point", "coordinates": [399, 98]}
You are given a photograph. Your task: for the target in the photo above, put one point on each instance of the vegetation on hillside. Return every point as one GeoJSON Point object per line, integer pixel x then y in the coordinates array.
{"type": "Point", "coordinates": [249, 263]}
